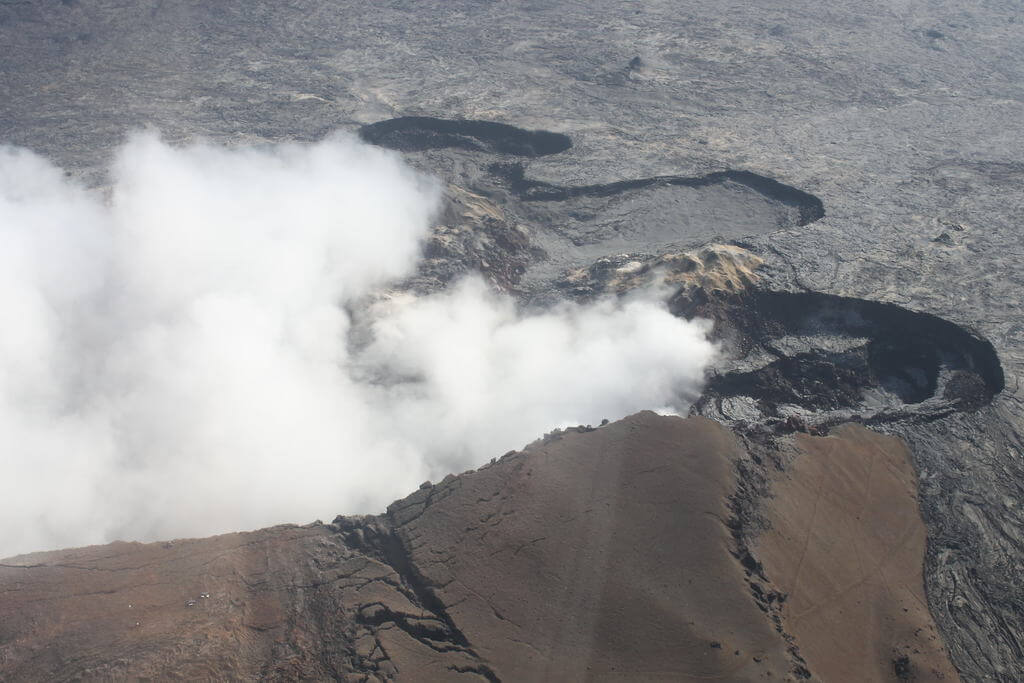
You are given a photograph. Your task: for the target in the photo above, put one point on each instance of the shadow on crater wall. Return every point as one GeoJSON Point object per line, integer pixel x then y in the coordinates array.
{"type": "Point", "coordinates": [418, 133]}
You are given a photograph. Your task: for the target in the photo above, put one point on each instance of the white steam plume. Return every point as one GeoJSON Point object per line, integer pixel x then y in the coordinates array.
{"type": "Point", "coordinates": [174, 361]}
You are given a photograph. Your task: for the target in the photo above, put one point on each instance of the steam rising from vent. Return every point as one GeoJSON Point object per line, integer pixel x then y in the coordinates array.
{"type": "Point", "coordinates": [178, 360]}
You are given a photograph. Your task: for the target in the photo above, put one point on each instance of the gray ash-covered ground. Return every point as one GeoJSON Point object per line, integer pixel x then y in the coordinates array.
{"type": "Point", "coordinates": [906, 123]}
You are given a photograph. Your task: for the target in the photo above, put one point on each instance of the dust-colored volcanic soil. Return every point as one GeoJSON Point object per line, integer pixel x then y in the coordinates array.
{"type": "Point", "coordinates": [618, 553]}
{"type": "Point", "coordinates": [845, 546]}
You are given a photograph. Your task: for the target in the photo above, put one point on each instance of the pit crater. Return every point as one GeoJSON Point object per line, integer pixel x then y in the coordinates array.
{"type": "Point", "coordinates": [818, 359]}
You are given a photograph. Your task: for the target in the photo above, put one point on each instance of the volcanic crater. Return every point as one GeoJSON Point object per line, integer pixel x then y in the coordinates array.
{"type": "Point", "coordinates": [825, 359]}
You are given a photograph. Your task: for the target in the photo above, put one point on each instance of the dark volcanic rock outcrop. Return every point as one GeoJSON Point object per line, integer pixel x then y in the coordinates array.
{"type": "Point", "coordinates": [473, 234]}
{"type": "Point", "coordinates": [655, 548]}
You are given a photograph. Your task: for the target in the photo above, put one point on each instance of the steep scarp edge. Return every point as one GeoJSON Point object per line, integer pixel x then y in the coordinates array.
{"type": "Point", "coordinates": [283, 603]}
{"type": "Point", "coordinates": [616, 552]}
{"type": "Point", "coordinates": [640, 550]}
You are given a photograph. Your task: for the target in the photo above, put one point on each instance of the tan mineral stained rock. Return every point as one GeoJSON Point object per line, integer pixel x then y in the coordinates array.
{"type": "Point", "coordinates": [715, 268]}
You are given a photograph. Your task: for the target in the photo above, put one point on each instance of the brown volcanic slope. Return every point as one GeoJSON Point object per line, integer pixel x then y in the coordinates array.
{"type": "Point", "coordinates": [846, 546]}
{"type": "Point", "coordinates": [606, 554]}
